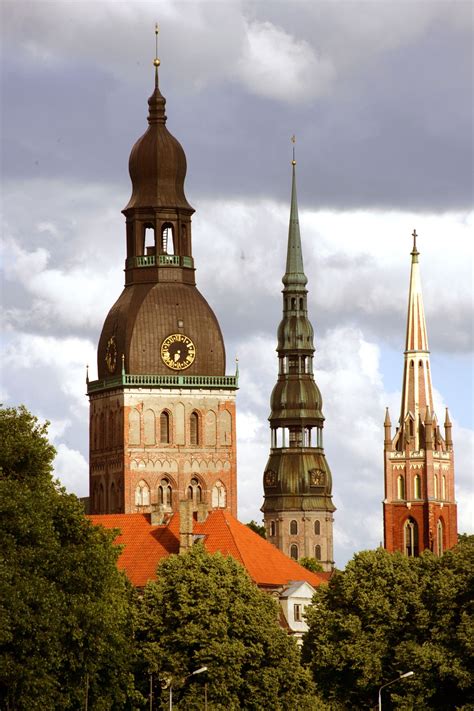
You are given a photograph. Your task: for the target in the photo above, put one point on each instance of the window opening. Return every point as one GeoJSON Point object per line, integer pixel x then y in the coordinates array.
{"type": "Point", "coordinates": [294, 552]}
{"type": "Point", "coordinates": [194, 428]}
{"type": "Point", "coordinates": [272, 528]}
{"type": "Point", "coordinates": [150, 246]}
{"type": "Point", "coordinates": [164, 428]}
{"type": "Point", "coordinates": [167, 238]}
{"type": "Point", "coordinates": [293, 528]}
{"type": "Point", "coordinates": [410, 531]}
{"type": "Point", "coordinates": [401, 487]}
{"type": "Point", "coordinates": [297, 613]}
{"type": "Point", "coordinates": [317, 528]}
{"type": "Point", "coordinates": [317, 552]}
{"type": "Point", "coordinates": [417, 487]}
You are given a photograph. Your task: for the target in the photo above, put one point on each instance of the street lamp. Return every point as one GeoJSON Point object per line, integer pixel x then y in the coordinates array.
{"type": "Point", "coordinates": [389, 683]}
{"type": "Point", "coordinates": [198, 671]}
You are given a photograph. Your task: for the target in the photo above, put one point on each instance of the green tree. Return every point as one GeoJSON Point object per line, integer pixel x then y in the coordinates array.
{"type": "Point", "coordinates": [205, 611]}
{"type": "Point", "coordinates": [311, 564]}
{"type": "Point", "coordinates": [387, 614]}
{"type": "Point", "coordinates": [65, 624]}
{"type": "Point", "coordinates": [257, 528]}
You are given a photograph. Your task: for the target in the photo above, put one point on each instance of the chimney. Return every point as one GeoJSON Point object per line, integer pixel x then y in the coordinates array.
{"type": "Point", "coordinates": [186, 520]}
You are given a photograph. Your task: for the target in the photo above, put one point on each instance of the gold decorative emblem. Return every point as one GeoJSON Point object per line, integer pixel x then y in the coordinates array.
{"type": "Point", "coordinates": [111, 355]}
{"type": "Point", "coordinates": [317, 477]}
{"type": "Point", "coordinates": [178, 351]}
{"type": "Point", "coordinates": [270, 478]}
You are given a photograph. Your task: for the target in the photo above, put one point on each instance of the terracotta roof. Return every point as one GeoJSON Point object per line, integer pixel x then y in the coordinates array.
{"type": "Point", "coordinates": [145, 545]}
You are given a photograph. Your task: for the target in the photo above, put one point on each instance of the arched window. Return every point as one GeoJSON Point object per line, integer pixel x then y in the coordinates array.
{"type": "Point", "coordinates": [294, 551]}
{"type": "Point", "coordinates": [443, 488]}
{"type": "Point", "coordinates": [410, 536]}
{"type": "Point", "coordinates": [164, 427]}
{"type": "Point", "coordinates": [194, 428]}
{"type": "Point", "coordinates": [293, 528]}
{"type": "Point", "coordinates": [272, 528]}
{"type": "Point", "coordinates": [167, 238]}
{"type": "Point", "coordinates": [164, 493]}
{"type": "Point", "coordinates": [218, 495]}
{"type": "Point", "coordinates": [435, 486]}
{"type": "Point", "coordinates": [194, 491]}
{"type": "Point", "coordinates": [400, 487]}
{"type": "Point", "coordinates": [301, 304]}
{"type": "Point", "coordinates": [101, 498]}
{"type": "Point", "coordinates": [439, 538]}
{"type": "Point", "coordinates": [142, 494]}
{"type": "Point", "coordinates": [417, 487]}
{"type": "Point", "coordinates": [317, 528]}
{"type": "Point", "coordinates": [149, 240]}
{"type": "Point", "coordinates": [317, 552]}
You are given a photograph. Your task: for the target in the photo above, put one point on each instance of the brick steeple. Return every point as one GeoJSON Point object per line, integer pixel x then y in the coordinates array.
{"type": "Point", "coordinates": [419, 504]}
{"type": "Point", "coordinates": [298, 508]}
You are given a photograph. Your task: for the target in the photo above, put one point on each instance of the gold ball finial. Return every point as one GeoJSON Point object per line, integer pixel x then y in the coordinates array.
{"type": "Point", "coordinates": [293, 140]}
{"type": "Point", "coordinates": [156, 62]}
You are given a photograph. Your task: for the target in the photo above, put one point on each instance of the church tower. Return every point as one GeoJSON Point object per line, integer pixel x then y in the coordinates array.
{"type": "Point", "coordinates": [419, 505]}
{"type": "Point", "coordinates": [162, 411]}
{"type": "Point", "coordinates": [298, 508]}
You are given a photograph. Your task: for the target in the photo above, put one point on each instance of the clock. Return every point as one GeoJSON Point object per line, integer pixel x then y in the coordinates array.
{"type": "Point", "coordinates": [178, 351]}
{"type": "Point", "coordinates": [111, 355]}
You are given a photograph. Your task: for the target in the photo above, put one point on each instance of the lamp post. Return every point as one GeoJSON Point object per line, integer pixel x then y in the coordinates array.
{"type": "Point", "coordinates": [198, 671]}
{"type": "Point", "coordinates": [389, 683]}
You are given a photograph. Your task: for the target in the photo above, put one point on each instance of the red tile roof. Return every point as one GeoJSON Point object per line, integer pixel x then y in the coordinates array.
{"type": "Point", "coordinates": [145, 545]}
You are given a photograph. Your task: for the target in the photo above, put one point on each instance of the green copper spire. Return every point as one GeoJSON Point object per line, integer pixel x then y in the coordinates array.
{"type": "Point", "coordinates": [294, 275]}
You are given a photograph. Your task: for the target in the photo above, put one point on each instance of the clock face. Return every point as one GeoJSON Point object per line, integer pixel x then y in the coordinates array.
{"type": "Point", "coordinates": [111, 355]}
{"type": "Point", "coordinates": [178, 351]}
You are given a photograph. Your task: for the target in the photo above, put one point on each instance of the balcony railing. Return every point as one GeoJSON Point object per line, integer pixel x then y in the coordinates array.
{"type": "Point", "coordinates": [162, 260]}
{"type": "Point", "coordinates": [159, 381]}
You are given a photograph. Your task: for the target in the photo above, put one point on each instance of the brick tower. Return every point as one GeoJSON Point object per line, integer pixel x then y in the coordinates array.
{"type": "Point", "coordinates": [419, 506]}
{"type": "Point", "coordinates": [298, 508]}
{"type": "Point", "coordinates": [162, 412]}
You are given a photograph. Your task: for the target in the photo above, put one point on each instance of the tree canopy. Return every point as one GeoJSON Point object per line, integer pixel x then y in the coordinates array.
{"type": "Point", "coordinates": [205, 611]}
{"type": "Point", "coordinates": [64, 607]}
{"type": "Point", "coordinates": [387, 614]}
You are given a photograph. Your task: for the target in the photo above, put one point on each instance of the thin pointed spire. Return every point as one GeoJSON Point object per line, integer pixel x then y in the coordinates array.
{"type": "Point", "coordinates": [294, 274]}
{"type": "Point", "coordinates": [156, 102]}
{"type": "Point", "coordinates": [387, 421]}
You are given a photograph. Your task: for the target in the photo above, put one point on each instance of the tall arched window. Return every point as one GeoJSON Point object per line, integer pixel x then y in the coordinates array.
{"type": "Point", "coordinates": [417, 487]}
{"type": "Point", "coordinates": [272, 528]}
{"type": "Point", "coordinates": [410, 535]}
{"type": "Point", "coordinates": [164, 427]}
{"type": "Point", "coordinates": [435, 486]}
{"type": "Point", "coordinates": [317, 528]}
{"type": "Point", "coordinates": [194, 491]}
{"type": "Point", "coordinates": [401, 487]}
{"type": "Point", "coordinates": [294, 551]}
{"type": "Point", "coordinates": [149, 240]}
{"type": "Point", "coordinates": [164, 493]}
{"type": "Point", "coordinates": [443, 488]}
{"type": "Point", "coordinates": [218, 495]}
{"type": "Point", "coordinates": [194, 428]}
{"type": "Point", "coordinates": [142, 494]}
{"type": "Point", "coordinates": [293, 528]}
{"type": "Point", "coordinates": [167, 238]}
{"type": "Point", "coordinates": [317, 552]}
{"type": "Point", "coordinates": [439, 538]}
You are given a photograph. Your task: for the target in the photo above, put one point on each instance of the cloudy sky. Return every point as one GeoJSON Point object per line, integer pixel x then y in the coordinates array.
{"type": "Point", "coordinates": [379, 95]}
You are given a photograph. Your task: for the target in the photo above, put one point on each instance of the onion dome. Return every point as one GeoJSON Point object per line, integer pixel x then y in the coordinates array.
{"type": "Point", "coordinates": [157, 162]}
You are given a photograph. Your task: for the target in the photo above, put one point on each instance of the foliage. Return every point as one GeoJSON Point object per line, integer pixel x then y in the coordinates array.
{"type": "Point", "coordinates": [64, 607]}
{"type": "Point", "coordinates": [311, 564]}
{"type": "Point", "coordinates": [387, 614]}
{"type": "Point", "coordinates": [257, 528]}
{"type": "Point", "coordinates": [205, 611]}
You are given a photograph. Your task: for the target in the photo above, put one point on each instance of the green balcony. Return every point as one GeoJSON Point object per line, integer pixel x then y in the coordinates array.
{"type": "Point", "coordinates": [227, 382]}
{"type": "Point", "coordinates": [163, 260]}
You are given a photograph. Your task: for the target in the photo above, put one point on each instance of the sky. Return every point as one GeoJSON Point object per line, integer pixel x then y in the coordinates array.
{"type": "Point", "coordinates": [380, 98]}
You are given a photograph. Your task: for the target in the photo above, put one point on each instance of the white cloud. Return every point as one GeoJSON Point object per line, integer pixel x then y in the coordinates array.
{"type": "Point", "coordinates": [276, 65]}
{"type": "Point", "coordinates": [71, 468]}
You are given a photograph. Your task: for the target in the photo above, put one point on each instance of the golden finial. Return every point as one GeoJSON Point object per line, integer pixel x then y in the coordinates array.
{"type": "Point", "coordinates": [293, 140]}
{"type": "Point", "coordinates": [156, 61]}
{"type": "Point", "coordinates": [87, 374]}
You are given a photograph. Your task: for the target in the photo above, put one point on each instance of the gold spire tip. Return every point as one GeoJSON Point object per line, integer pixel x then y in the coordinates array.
{"type": "Point", "coordinates": [293, 140]}
{"type": "Point", "coordinates": [156, 61]}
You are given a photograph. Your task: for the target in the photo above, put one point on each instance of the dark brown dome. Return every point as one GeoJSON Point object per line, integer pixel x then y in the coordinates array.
{"type": "Point", "coordinates": [157, 163]}
{"type": "Point", "coordinates": [145, 314]}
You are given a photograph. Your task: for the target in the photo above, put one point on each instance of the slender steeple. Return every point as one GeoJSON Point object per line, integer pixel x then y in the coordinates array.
{"type": "Point", "coordinates": [419, 505]}
{"type": "Point", "coordinates": [298, 508]}
{"type": "Point", "coordinates": [416, 390]}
